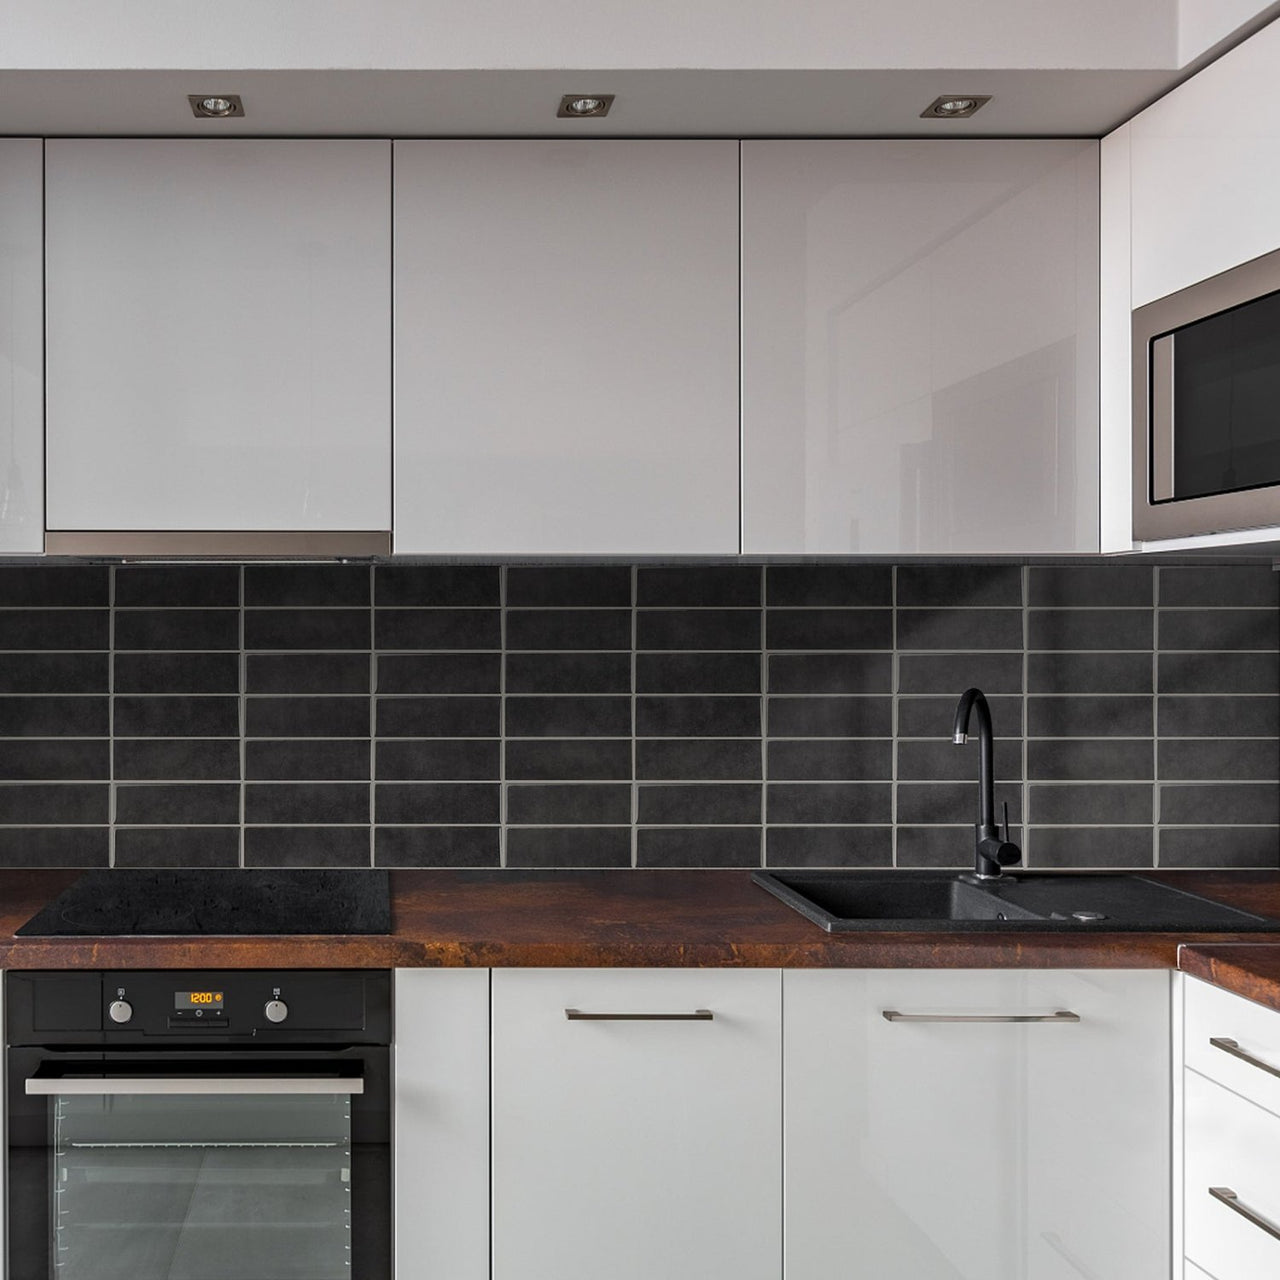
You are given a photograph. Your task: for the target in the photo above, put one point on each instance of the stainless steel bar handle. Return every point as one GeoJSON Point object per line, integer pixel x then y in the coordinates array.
{"type": "Point", "coordinates": [168, 1085]}
{"type": "Point", "coordinates": [1059, 1015]}
{"type": "Point", "coordinates": [1227, 1045]}
{"type": "Point", "coordinates": [698, 1015]}
{"type": "Point", "coordinates": [1224, 1195]}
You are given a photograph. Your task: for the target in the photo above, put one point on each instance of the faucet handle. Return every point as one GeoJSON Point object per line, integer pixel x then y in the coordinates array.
{"type": "Point", "coordinates": [1006, 822]}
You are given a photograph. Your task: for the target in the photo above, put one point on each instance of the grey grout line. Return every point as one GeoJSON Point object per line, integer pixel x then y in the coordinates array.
{"type": "Point", "coordinates": [503, 790]}
{"type": "Point", "coordinates": [634, 662]}
{"type": "Point", "coordinates": [895, 683]}
{"type": "Point", "coordinates": [764, 716]}
{"type": "Point", "coordinates": [243, 713]}
{"type": "Point", "coordinates": [373, 717]}
{"type": "Point", "coordinates": [111, 717]}
{"type": "Point", "coordinates": [1155, 716]}
{"type": "Point", "coordinates": [1028, 833]}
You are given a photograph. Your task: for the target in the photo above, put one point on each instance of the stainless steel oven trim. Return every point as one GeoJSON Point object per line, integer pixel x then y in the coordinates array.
{"type": "Point", "coordinates": [166, 1085]}
{"type": "Point", "coordinates": [1219, 513]}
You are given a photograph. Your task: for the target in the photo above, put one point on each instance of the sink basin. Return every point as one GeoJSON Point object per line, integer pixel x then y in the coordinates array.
{"type": "Point", "coordinates": [912, 901]}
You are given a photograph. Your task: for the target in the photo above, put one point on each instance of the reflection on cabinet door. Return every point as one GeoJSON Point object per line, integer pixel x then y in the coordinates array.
{"type": "Point", "coordinates": [219, 341]}
{"type": "Point", "coordinates": [637, 1148]}
{"type": "Point", "coordinates": [21, 347]}
{"type": "Point", "coordinates": [920, 346]}
{"type": "Point", "coordinates": [977, 1150]}
{"type": "Point", "coordinates": [566, 347]}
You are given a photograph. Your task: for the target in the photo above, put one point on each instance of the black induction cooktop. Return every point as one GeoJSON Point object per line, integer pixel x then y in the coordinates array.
{"type": "Point", "coordinates": [160, 903]}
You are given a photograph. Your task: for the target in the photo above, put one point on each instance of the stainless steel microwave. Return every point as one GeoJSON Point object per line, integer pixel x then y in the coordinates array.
{"type": "Point", "coordinates": [1206, 406]}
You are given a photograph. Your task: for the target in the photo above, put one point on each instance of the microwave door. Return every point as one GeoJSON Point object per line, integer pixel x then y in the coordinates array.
{"type": "Point", "coordinates": [1164, 438]}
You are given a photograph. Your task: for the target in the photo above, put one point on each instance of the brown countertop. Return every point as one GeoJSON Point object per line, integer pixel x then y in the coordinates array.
{"type": "Point", "coordinates": [626, 919]}
{"type": "Point", "coordinates": [1249, 969]}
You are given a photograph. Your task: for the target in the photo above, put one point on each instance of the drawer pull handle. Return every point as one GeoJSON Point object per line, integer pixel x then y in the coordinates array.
{"type": "Point", "coordinates": [1224, 1195]}
{"type": "Point", "coordinates": [698, 1015]}
{"type": "Point", "coordinates": [1060, 1015]}
{"type": "Point", "coordinates": [1230, 1046]}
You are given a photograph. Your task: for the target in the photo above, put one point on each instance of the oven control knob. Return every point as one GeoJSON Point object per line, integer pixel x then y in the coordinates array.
{"type": "Point", "coordinates": [120, 1011]}
{"type": "Point", "coordinates": [276, 1010]}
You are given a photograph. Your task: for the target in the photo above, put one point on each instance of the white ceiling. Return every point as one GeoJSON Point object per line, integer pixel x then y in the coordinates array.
{"type": "Point", "coordinates": [678, 67]}
{"type": "Point", "coordinates": [522, 103]}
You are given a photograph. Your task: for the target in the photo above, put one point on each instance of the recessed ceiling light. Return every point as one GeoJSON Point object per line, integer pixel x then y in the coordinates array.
{"type": "Point", "coordinates": [580, 106]}
{"type": "Point", "coordinates": [215, 106]}
{"type": "Point", "coordinates": [955, 106]}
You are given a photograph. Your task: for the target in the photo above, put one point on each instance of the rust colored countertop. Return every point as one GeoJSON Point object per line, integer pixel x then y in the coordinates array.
{"type": "Point", "coordinates": [1249, 969]}
{"type": "Point", "coordinates": [625, 919]}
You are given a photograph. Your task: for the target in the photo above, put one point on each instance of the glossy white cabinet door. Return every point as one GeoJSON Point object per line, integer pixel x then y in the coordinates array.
{"type": "Point", "coordinates": [977, 1151]}
{"type": "Point", "coordinates": [218, 334]}
{"type": "Point", "coordinates": [636, 1149]}
{"type": "Point", "coordinates": [566, 347]}
{"type": "Point", "coordinates": [920, 346]}
{"type": "Point", "coordinates": [21, 348]}
{"type": "Point", "coordinates": [1206, 172]}
{"type": "Point", "coordinates": [1231, 1146]}
{"type": "Point", "coordinates": [441, 1136]}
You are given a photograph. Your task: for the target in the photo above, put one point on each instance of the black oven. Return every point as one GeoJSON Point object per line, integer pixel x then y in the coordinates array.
{"type": "Point", "coordinates": [199, 1125]}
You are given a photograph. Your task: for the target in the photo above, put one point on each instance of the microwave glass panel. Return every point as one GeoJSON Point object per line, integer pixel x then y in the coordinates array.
{"type": "Point", "coordinates": [1216, 404]}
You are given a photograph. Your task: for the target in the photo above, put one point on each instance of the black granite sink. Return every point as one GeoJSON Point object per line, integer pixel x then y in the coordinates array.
{"type": "Point", "coordinates": [914, 901]}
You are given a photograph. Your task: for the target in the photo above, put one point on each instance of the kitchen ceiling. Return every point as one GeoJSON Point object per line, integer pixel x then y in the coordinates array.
{"type": "Point", "coordinates": [652, 103]}
{"type": "Point", "coordinates": [688, 68]}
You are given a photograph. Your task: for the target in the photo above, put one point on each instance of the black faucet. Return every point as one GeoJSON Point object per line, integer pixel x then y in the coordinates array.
{"type": "Point", "coordinates": [993, 850]}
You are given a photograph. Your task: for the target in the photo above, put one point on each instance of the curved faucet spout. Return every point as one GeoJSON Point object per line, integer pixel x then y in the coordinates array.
{"type": "Point", "coordinates": [993, 850]}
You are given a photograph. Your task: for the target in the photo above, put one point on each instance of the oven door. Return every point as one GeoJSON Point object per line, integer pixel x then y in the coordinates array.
{"type": "Point", "coordinates": [1206, 382]}
{"type": "Point", "coordinates": [199, 1166]}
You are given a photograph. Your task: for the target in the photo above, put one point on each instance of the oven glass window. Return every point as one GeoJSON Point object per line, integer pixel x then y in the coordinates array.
{"type": "Point", "coordinates": [196, 1187]}
{"type": "Point", "coordinates": [1224, 431]}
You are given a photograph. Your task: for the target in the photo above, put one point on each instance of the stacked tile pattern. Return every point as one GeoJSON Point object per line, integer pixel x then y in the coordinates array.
{"type": "Point", "coordinates": [618, 715]}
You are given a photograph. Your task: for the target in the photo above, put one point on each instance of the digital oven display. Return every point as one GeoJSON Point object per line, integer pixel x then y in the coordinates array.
{"type": "Point", "coordinates": [190, 1001]}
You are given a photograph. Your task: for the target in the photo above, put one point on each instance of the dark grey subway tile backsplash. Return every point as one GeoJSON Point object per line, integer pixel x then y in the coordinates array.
{"type": "Point", "coordinates": [791, 715]}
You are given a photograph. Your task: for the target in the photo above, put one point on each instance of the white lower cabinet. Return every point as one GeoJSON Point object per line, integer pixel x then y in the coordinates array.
{"type": "Point", "coordinates": [960, 1143]}
{"type": "Point", "coordinates": [1231, 1198]}
{"type": "Point", "coordinates": [637, 1148]}
{"type": "Point", "coordinates": [441, 1135]}
{"type": "Point", "coordinates": [1231, 1135]}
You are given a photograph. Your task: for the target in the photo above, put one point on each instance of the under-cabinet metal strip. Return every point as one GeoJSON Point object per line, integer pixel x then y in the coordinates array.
{"type": "Point", "coordinates": [229, 544]}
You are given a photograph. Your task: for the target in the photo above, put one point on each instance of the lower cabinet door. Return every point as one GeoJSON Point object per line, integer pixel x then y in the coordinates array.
{"type": "Point", "coordinates": [1231, 1192]}
{"type": "Point", "coordinates": [958, 1140]}
{"type": "Point", "coordinates": [637, 1124]}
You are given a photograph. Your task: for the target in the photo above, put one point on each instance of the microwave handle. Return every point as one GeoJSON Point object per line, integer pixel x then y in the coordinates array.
{"type": "Point", "coordinates": [168, 1085]}
{"type": "Point", "coordinates": [1162, 443]}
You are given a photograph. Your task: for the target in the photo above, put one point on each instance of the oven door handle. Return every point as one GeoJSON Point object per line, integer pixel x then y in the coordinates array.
{"type": "Point", "coordinates": [107, 1086]}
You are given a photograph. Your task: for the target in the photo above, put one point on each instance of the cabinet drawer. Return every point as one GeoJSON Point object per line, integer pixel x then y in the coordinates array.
{"type": "Point", "coordinates": [1215, 1015]}
{"type": "Point", "coordinates": [1230, 1145]}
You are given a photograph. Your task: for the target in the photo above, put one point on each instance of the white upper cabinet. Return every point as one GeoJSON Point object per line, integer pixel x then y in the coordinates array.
{"type": "Point", "coordinates": [218, 334]}
{"type": "Point", "coordinates": [637, 1148]}
{"type": "Point", "coordinates": [21, 349]}
{"type": "Point", "coordinates": [566, 347]}
{"type": "Point", "coordinates": [920, 347]}
{"type": "Point", "coordinates": [1205, 183]}
{"type": "Point", "coordinates": [966, 1140]}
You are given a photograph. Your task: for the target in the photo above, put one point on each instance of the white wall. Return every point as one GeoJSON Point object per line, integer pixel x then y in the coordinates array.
{"type": "Point", "coordinates": [502, 34]}
{"type": "Point", "coordinates": [1203, 23]}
